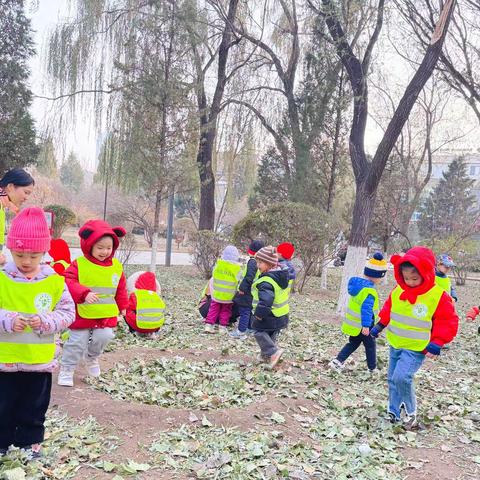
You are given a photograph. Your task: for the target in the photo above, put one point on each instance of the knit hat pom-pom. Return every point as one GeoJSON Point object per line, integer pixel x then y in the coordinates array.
{"type": "Point", "coordinates": [378, 256]}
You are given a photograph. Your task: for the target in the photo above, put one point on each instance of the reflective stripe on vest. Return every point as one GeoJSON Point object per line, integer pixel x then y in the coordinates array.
{"type": "Point", "coordinates": [445, 283]}
{"type": "Point", "coordinates": [280, 305]}
{"type": "Point", "coordinates": [352, 323]}
{"type": "Point", "coordinates": [150, 310]}
{"type": "Point", "coordinates": [410, 325]}
{"type": "Point", "coordinates": [103, 281]}
{"type": "Point", "coordinates": [29, 299]}
{"type": "Point", "coordinates": [225, 280]}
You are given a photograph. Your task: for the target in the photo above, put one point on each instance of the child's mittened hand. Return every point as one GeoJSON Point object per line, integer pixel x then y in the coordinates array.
{"type": "Point", "coordinates": [472, 314]}
{"type": "Point", "coordinates": [91, 298]}
{"type": "Point", "coordinates": [35, 322]}
{"type": "Point", "coordinates": [19, 324]}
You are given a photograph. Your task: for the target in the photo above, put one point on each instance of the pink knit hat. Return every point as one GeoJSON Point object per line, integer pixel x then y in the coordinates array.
{"type": "Point", "coordinates": [29, 231]}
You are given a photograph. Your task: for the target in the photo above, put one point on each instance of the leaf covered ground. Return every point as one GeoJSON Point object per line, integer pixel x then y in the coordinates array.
{"type": "Point", "coordinates": [190, 405]}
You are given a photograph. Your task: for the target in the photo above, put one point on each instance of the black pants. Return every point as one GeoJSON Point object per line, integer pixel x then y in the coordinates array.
{"type": "Point", "coordinates": [24, 400]}
{"type": "Point", "coordinates": [354, 343]}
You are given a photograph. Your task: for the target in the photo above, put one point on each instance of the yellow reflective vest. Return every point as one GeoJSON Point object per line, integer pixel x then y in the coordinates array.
{"type": "Point", "coordinates": [280, 305]}
{"type": "Point", "coordinates": [29, 299]}
{"type": "Point", "coordinates": [445, 283]}
{"type": "Point", "coordinates": [411, 325]}
{"type": "Point", "coordinates": [225, 280]}
{"type": "Point", "coordinates": [150, 309]}
{"type": "Point", "coordinates": [2, 225]}
{"type": "Point", "coordinates": [352, 323]}
{"type": "Point", "coordinates": [103, 281]}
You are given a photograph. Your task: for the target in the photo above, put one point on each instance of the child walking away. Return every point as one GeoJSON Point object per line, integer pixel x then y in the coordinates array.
{"type": "Point", "coordinates": [270, 304]}
{"type": "Point", "coordinates": [146, 310]}
{"type": "Point", "coordinates": [223, 286]}
{"type": "Point", "coordinates": [444, 265]}
{"type": "Point", "coordinates": [34, 305]}
{"type": "Point", "coordinates": [243, 298]}
{"type": "Point", "coordinates": [285, 253]}
{"type": "Point", "coordinates": [98, 287]}
{"type": "Point", "coordinates": [420, 318]}
{"type": "Point", "coordinates": [362, 311]}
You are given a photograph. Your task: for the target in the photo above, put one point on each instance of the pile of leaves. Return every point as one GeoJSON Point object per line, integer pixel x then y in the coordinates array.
{"type": "Point", "coordinates": [68, 445]}
{"type": "Point", "coordinates": [180, 383]}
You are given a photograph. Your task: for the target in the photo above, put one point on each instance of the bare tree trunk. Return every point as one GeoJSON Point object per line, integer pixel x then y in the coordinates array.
{"type": "Point", "coordinates": [156, 225]}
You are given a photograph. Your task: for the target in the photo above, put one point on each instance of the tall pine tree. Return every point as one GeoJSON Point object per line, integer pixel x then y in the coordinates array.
{"type": "Point", "coordinates": [17, 133]}
{"type": "Point", "coordinates": [451, 206]}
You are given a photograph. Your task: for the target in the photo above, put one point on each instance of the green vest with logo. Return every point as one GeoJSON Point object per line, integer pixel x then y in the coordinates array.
{"type": "Point", "coordinates": [280, 305]}
{"type": "Point", "coordinates": [352, 323]}
{"type": "Point", "coordinates": [411, 325]}
{"type": "Point", "coordinates": [225, 280]}
{"type": "Point", "coordinates": [29, 299]}
{"type": "Point", "coordinates": [100, 280]}
{"type": "Point", "coordinates": [150, 310]}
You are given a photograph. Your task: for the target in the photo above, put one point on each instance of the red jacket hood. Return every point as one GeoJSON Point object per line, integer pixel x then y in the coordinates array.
{"type": "Point", "coordinates": [146, 281]}
{"type": "Point", "coordinates": [92, 232]}
{"type": "Point", "coordinates": [423, 260]}
{"type": "Point", "coordinates": [59, 250]}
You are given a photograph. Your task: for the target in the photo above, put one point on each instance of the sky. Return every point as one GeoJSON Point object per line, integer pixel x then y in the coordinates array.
{"type": "Point", "coordinates": [82, 138]}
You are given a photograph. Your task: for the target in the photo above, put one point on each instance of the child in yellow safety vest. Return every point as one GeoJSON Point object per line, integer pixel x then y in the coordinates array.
{"type": "Point", "coordinates": [270, 307]}
{"type": "Point", "coordinates": [420, 318]}
{"type": "Point", "coordinates": [146, 309]}
{"type": "Point", "coordinates": [98, 287]}
{"type": "Point", "coordinates": [362, 311]}
{"type": "Point", "coordinates": [34, 305]}
{"type": "Point", "coordinates": [443, 268]}
{"type": "Point", "coordinates": [222, 288]}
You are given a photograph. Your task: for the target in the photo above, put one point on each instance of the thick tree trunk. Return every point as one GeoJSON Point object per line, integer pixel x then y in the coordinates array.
{"type": "Point", "coordinates": [206, 219]}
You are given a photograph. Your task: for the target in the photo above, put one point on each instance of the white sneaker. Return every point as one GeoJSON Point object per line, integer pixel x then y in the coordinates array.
{"type": "Point", "coordinates": [93, 367]}
{"type": "Point", "coordinates": [222, 329]}
{"type": "Point", "coordinates": [65, 377]}
{"type": "Point", "coordinates": [209, 328]}
{"type": "Point", "coordinates": [336, 365]}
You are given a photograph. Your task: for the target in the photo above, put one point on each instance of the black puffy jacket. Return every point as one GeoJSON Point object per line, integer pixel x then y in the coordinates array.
{"type": "Point", "coordinates": [245, 286]}
{"type": "Point", "coordinates": [263, 318]}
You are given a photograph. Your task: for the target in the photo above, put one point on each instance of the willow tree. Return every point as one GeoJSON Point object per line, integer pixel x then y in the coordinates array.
{"type": "Point", "coordinates": [369, 172]}
{"type": "Point", "coordinates": [138, 53]}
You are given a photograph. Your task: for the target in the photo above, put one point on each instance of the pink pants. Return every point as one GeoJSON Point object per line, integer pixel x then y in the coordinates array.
{"type": "Point", "coordinates": [221, 310]}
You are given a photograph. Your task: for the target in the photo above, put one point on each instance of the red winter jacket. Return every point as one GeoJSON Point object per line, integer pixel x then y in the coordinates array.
{"type": "Point", "coordinates": [445, 318]}
{"type": "Point", "coordinates": [89, 234]}
{"type": "Point", "coordinates": [146, 281]}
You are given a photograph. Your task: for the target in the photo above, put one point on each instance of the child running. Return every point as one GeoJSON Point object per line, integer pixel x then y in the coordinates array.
{"type": "Point", "coordinates": [222, 288]}
{"type": "Point", "coordinates": [270, 304]}
{"type": "Point", "coordinates": [146, 309]}
{"type": "Point", "coordinates": [98, 287]}
{"type": "Point", "coordinates": [243, 298]}
{"type": "Point", "coordinates": [34, 305]}
{"type": "Point", "coordinates": [362, 311]}
{"type": "Point", "coordinates": [420, 318]}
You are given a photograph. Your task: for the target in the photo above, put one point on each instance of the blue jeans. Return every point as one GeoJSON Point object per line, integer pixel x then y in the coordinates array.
{"type": "Point", "coordinates": [403, 366]}
{"type": "Point", "coordinates": [244, 320]}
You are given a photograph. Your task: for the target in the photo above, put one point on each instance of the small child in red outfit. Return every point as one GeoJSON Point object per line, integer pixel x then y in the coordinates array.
{"type": "Point", "coordinates": [146, 309]}
{"type": "Point", "coordinates": [419, 318]}
{"type": "Point", "coordinates": [60, 254]}
{"type": "Point", "coordinates": [98, 287]}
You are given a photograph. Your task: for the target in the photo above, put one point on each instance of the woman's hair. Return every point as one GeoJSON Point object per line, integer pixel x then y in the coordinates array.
{"type": "Point", "coordinates": [407, 266]}
{"type": "Point", "coordinates": [18, 177]}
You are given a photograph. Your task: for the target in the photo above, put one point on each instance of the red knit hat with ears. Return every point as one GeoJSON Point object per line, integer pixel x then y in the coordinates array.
{"type": "Point", "coordinates": [29, 232]}
{"type": "Point", "coordinates": [93, 230]}
{"type": "Point", "coordinates": [286, 250]}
